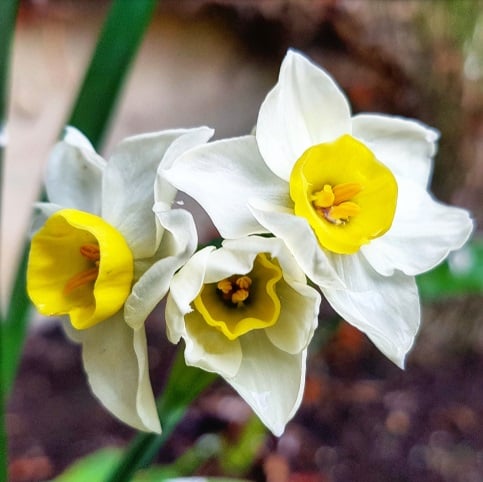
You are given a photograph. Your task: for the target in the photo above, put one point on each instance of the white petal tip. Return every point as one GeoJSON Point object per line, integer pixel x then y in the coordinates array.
{"type": "Point", "coordinates": [76, 138]}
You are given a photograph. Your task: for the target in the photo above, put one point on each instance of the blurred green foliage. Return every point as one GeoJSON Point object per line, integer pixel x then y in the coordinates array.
{"type": "Point", "coordinates": [238, 455]}
{"type": "Point", "coordinates": [461, 274]}
{"type": "Point", "coordinates": [185, 383]}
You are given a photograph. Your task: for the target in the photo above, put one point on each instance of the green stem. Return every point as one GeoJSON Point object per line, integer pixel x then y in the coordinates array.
{"type": "Point", "coordinates": [184, 385]}
{"type": "Point", "coordinates": [118, 42]}
{"type": "Point", "coordinates": [8, 15]}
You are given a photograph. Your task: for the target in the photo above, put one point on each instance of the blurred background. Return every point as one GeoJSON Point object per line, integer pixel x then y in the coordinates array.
{"type": "Point", "coordinates": [207, 62]}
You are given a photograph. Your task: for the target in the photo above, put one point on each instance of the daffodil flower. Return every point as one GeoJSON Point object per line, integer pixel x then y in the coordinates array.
{"type": "Point", "coordinates": [103, 254]}
{"type": "Point", "coordinates": [348, 195]}
{"type": "Point", "coordinates": [246, 312]}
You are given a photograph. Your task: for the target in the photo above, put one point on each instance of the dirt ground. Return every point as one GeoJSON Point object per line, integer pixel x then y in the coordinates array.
{"type": "Point", "coordinates": [362, 418]}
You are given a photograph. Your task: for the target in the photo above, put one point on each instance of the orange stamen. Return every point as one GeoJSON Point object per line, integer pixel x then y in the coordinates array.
{"type": "Point", "coordinates": [346, 191]}
{"type": "Point", "coordinates": [81, 279]}
{"type": "Point", "coordinates": [90, 251]}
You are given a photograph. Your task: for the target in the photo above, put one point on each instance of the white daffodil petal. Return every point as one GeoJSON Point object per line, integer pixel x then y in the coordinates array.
{"type": "Point", "coordinates": [385, 308]}
{"type": "Point", "coordinates": [226, 262]}
{"type": "Point", "coordinates": [405, 146]}
{"type": "Point", "coordinates": [238, 255]}
{"type": "Point", "coordinates": [208, 349]}
{"type": "Point", "coordinates": [74, 174]}
{"type": "Point", "coordinates": [298, 317]}
{"type": "Point", "coordinates": [145, 402]}
{"type": "Point", "coordinates": [179, 243]}
{"type": "Point", "coordinates": [76, 138]}
{"type": "Point", "coordinates": [300, 240]}
{"type": "Point", "coordinates": [305, 108]}
{"type": "Point", "coordinates": [222, 176]}
{"type": "Point", "coordinates": [128, 189]}
{"type": "Point", "coordinates": [253, 245]}
{"type": "Point", "coordinates": [115, 360]}
{"type": "Point", "coordinates": [423, 233]}
{"type": "Point", "coordinates": [185, 286]}
{"type": "Point", "coordinates": [163, 190]}
{"type": "Point", "coordinates": [270, 380]}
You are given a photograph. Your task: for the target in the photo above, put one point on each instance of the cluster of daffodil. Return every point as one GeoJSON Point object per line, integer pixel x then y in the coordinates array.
{"type": "Point", "coordinates": [314, 193]}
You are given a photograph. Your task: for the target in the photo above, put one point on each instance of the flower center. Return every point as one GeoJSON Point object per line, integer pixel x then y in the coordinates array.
{"type": "Point", "coordinates": [242, 303]}
{"type": "Point", "coordinates": [80, 266]}
{"type": "Point", "coordinates": [92, 253]}
{"type": "Point", "coordinates": [347, 195]}
{"type": "Point", "coordinates": [235, 290]}
{"type": "Point", "coordinates": [334, 203]}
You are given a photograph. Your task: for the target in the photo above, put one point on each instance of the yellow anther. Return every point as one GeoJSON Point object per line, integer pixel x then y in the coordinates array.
{"type": "Point", "coordinates": [345, 210]}
{"type": "Point", "coordinates": [324, 198]}
{"type": "Point", "coordinates": [334, 203]}
{"type": "Point", "coordinates": [224, 286]}
{"type": "Point", "coordinates": [234, 290]}
{"type": "Point", "coordinates": [340, 214]}
{"type": "Point", "coordinates": [346, 191]}
{"type": "Point", "coordinates": [244, 282]}
{"type": "Point", "coordinates": [239, 296]}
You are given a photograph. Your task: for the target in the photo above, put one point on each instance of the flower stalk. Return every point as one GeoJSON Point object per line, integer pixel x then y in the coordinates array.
{"type": "Point", "coordinates": [184, 385]}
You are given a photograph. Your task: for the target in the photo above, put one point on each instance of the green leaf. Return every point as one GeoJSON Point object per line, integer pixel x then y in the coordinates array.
{"type": "Point", "coordinates": [14, 326]}
{"type": "Point", "coordinates": [461, 274]}
{"type": "Point", "coordinates": [204, 449]}
{"type": "Point", "coordinates": [184, 385]}
{"type": "Point", "coordinates": [93, 468]}
{"type": "Point", "coordinates": [115, 50]}
{"type": "Point", "coordinates": [237, 458]}
{"type": "Point", "coordinates": [8, 15]}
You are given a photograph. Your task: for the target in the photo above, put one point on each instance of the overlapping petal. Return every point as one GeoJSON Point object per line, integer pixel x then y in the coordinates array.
{"type": "Point", "coordinates": [289, 335]}
{"type": "Point", "coordinates": [305, 108]}
{"type": "Point", "coordinates": [223, 176]}
{"type": "Point", "coordinates": [184, 288]}
{"type": "Point", "coordinates": [405, 146]}
{"type": "Point", "coordinates": [300, 239]}
{"type": "Point", "coordinates": [188, 138]}
{"type": "Point", "coordinates": [178, 244]}
{"type": "Point", "coordinates": [385, 308]}
{"type": "Point", "coordinates": [74, 174]}
{"type": "Point", "coordinates": [270, 380]}
{"type": "Point", "coordinates": [209, 349]}
{"type": "Point", "coordinates": [115, 360]}
{"type": "Point", "coordinates": [128, 189]}
{"type": "Point", "coordinates": [411, 245]}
